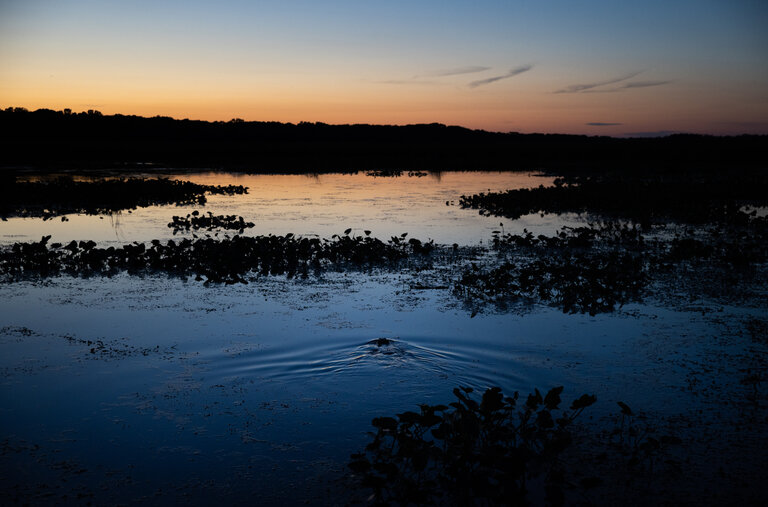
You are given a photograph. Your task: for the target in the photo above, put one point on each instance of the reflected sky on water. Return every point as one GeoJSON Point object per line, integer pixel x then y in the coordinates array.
{"type": "Point", "coordinates": [322, 204]}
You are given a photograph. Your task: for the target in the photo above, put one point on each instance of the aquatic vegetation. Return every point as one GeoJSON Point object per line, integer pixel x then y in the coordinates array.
{"type": "Point", "coordinates": [577, 283]}
{"type": "Point", "coordinates": [466, 452]}
{"type": "Point", "coordinates": [628, 237]}
{"type": "Point", "coordinates": [61, 196]}
{"type": "Point", "coordinates": [598, 268]}
{"type": "Point", "coordinates": [583, 270]}
{"type": "Point", "coordinates": [228, 260]}
{"type": "Point", "coordinates": [645, 198]}
{"type": "Point", "coordinates": [196, 221]}
{"type": "Point", "coordinates": [593, 269]}
{"type": "Point", "coordinates": [384, 173]}
{"type": "Point", "coordinates": [733, 244]}
{"type": "Point", "coordinates": [115, 349]}
{"type": "Point", "coordinates": [639, 441]}
{"type": "Point", "coordinates": [394, 173]}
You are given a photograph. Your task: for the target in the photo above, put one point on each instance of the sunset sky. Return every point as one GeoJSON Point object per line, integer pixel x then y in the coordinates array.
{"type": "Point", "coordinates": [591, 67]}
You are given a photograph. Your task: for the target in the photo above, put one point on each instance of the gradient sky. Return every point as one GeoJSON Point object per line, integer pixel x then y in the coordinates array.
{"type": "Point", "coordinates": [592, 67]}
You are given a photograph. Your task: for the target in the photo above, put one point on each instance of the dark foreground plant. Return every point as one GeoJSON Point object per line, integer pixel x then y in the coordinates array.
{"type": "Point", "coordinates": [492, 452]}
{"type": "Point", "coordinates": [640, 442]}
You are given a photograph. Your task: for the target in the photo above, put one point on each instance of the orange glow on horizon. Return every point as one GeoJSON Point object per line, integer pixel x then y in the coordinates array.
{"type": "Point", "coordinates": [528, 110]}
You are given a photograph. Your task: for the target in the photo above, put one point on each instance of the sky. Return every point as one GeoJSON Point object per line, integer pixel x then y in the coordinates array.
{"type": "Point", "coordinates": [589, 67]}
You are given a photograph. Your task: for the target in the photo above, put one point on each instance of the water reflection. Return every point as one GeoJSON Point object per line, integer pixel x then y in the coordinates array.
{"type": "Point", "coordinates": [319, 204]}
{"type": "Point", "coordinates": [115, 220]}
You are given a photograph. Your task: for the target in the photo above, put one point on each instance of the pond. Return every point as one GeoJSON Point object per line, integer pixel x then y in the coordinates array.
{"type": "Point", "coordinates": [322, 204]}
{"type": "Point", "coordinates": [149, 389]}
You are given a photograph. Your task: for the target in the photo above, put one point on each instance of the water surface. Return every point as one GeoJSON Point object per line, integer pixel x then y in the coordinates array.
{"type": "Point", "coordinates": [324, 204]}
{"type": "Point", "coordinates": [137, 390]}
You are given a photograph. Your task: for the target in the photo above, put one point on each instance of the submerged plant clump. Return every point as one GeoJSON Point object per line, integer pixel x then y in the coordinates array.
{"type": "Point", "coordinates": [228, 260]}
{"type": "Point", "coordinates": [467, 452]}
{"type": "Point", "coordinates": [62, 196]}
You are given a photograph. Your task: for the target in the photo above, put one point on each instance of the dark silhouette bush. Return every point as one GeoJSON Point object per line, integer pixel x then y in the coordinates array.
{"type": "Point", "coordinates": [470, 453]}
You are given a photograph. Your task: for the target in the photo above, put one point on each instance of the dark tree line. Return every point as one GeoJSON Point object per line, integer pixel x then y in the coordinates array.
{"type": "Point", "coordinates": [63, 139]}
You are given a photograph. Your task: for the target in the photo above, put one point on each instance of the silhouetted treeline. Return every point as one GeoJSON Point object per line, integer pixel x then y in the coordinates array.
{"type": "Point", "coordinates": [62, 139]}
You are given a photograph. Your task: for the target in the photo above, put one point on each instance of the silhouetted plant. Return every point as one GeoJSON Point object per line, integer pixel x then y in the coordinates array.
{"type": "Point", "coordinates": [468, 452]}
{"type": "Point", "coordinates": [639, 442]}
{"type": "Point", "coordinates": [196, 221]}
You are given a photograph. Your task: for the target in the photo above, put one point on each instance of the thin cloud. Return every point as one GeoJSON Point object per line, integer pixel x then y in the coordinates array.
{"type": "Point", "coordinates": [602, 124]}
{"type": "Point", "coordinates": [629, 86]}
{"type": "Point", "coordinates": [468, 69]}
{"type": "Point", "coordinates": [511, 73]}
{"type": "Point", "coordinates": [577, 88]}
{"type": "Point", "coordinates": [644, 84]}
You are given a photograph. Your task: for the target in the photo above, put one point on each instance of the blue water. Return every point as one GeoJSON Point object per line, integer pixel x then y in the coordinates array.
{"type": "Point", "coordinates": [156, 390]}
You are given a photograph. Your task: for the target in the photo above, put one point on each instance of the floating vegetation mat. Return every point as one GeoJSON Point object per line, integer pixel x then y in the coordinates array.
{"type": "Point", "coordinates": [683, 197]}
{"type": "Point", "coordinates": [208, 222]}
{"type": "Point", "coordinates": [62, 196]}
{"type": "Point", "coordinates": [593, 269]}
{"type": "Point", "coordinates": [227, 260]}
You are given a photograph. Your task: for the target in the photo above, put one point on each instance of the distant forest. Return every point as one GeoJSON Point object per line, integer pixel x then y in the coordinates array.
{"type": "Point", "coordinates": [47, 139]}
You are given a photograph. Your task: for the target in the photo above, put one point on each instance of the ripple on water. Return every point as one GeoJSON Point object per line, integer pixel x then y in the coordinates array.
{"type": "Point", "coordinates": [394, 359]}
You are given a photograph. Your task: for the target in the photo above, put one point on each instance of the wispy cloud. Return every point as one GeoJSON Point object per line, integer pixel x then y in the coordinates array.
{"type": "Point", "coordinates": [628, 86]}
{"type": "Point", "coordinates": [577, 88]}
{"type": "Point", "coordinates": [602, 124]}
{"type": "Point", "coordinates": [421, 78]}
{"type": "Point", "coordinates": [644, 84]}
{"type": "Point", "coordinates": [468, 69]}
{"type": "Point", "coordinates": [511, 73]}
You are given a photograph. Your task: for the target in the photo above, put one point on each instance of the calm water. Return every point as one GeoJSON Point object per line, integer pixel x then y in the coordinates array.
{"type": "Point", "coordinates": [322, 205]}
{"type": "Point", "coordinates": [157, 390]}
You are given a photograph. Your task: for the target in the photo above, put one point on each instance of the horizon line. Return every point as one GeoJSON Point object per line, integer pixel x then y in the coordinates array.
{"type": "Point", "coordinates": [235, 120]}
